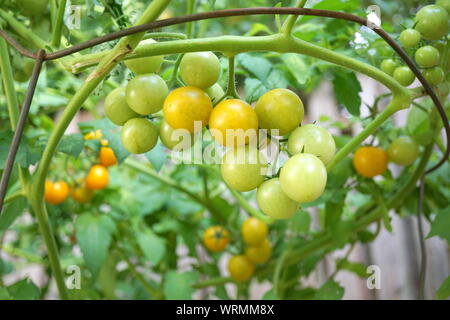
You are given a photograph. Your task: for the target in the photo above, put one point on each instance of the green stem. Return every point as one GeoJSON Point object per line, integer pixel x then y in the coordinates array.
{"type": "Point", "coordinates": [30, 257]}
{"type": "Point", "coordinates": [231, 89]}
{"type": "Point", "coordinates": [189, 25]}
{"type": "Point", "coordinates": [290, 20]}
{"type": "Point", "coordinates": [14, 196]}
{"type": "Point", "coordinates": [165, 35]}
{"type": "Point", "coordinates": [57, 27]}
{"type": "Point", "coordinates": [212, 282]}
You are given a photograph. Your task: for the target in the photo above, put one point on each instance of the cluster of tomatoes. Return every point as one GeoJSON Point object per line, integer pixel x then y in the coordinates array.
{"type": "Point", "coordinates": [258, 247]}
{"type": "Point", "coordinates": [431, 25]}
{"type": "Point", "coordinates": [96, 179]}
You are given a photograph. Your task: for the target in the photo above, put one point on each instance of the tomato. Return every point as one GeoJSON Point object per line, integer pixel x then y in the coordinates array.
{"type": "Point", "coordinates": [145, 64]}
{"type": "Point", "coordinates": [388, 66]}
{"type": "Point", "coordinates": [432, 22]}
{"type": "Point", "coordinates": [410, 38]}
{"type": "Point", "coordinates": [97, 134]}
{"type": "Point", "coordinates": [117, 109]}
{"type": "Point", "coordinates": [444, 4]}
{"type": "Point", "coordinates": [240, 268]}
{"type": "Point", "coordinates": [107, 157]}
{"type": "Point", "coordinates": [404, 76]}
{"type": "Point", "coordinates": [313, 139]}
{"type": "Point", "coordinates": [200, 69]}
{"type": "Point", "coordinates": [32, 8]}
{"type": "Point", "coordinates": [243, 168]}
{"type": "Point", "coordinates": [145, 94]}
{"type": "Point", "coordinates": [216, 238]}
{"type": "Point", "coordinates": [97, 178]}
{"type": "Point", "coordinates": [56, 192]}
{"type": "Point", "coordinates": [427, 56]}
{"type": "Point", "coordinates": [403, 151]}
{"type": "Point", "coordinates": [279, 109]}
{"type": "Point", "coordinates": [215, 92]}
{"type": "Point", "coordinates": [274, 202]}
{"type": "Point", "coordinates": [254, 231]}
{"type": "Point", "coordinates": [184, 106]}
{"type": "Point", "coordinates": [370, 161]}
{"type": "Point", "coordinates": [175, 139]}
{"type": "Point", "coordinates": [233, 123]}
{"type": "Point", "coordinates": [23, 68]}
{"type": "Point", "coordinates": [139, 135]}
{"type": "Point", "coordinates": [82, 194]}
{"type": "Point", "coordinates": [434, 75]}
{"type": "Point", "coordinates": [259, 253]}
{"type": "Point", "coordinates": [303, 177]}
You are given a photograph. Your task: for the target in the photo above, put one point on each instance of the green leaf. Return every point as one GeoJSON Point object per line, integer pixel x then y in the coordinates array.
{"type": "Point", "coordinates": [301, 221]}
{"type": "Point", "coordinates": [157, 156]}
{"type": "Point", "coordinates": [4, 294]}
{"type": "Point", "coordinates": [24, 290]}
{"type": "Point", "coordinates": [419, 126]}
{"type": "Point", "coordinates": [270, 295]}
{"type": "Point", "coordinates": [178, 286]}
{"type": "Point", "coordinates": [346, 89]}
{"type": "Point", "coordinates": [444, 290]}
{"type": "Point", "coordinates": [94, 237]}
{"type": "Point", "coordinates": [297, 67]}
{"type": "Point", "coordinates": [71, 144]}
{"type": "Point", "coordinates": [257, 66]}
{"type": "Point", "coordinates": [154, 247]}
{"type": "Point", "coordinates": [357, 268]}
{"type": "Point", "coordinates": [254, 89]}
{"type": "Point", "coordinates": [330, 290]}
{"type": "Point", "coordinates": [441, 225]}
{"type": "Point", "coordinates": [11, 211]}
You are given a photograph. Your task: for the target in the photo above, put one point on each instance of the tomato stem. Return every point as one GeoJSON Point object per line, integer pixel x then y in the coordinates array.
{"type": "Point", "coordinates": [57, 24]}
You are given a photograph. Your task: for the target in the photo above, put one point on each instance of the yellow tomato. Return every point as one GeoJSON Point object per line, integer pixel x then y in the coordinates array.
{"type": "Point", "coordinates": [259, 253]}
{"type": "Point", "coordinates": [56, 192]}
{"type": "Point", "coordinates": [216, 238]}
{"type": "Point", "coordinates": [107, 157]}
{"type": "Point", "coordinates": [254, 231]}
{"type": "Point", "coordinates": [370, 161]}
{"type": "Point", "coordinates": [240, 268]}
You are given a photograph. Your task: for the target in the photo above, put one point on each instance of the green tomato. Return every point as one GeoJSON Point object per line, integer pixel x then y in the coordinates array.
{"type": "Point", "coordinates": [146, 93]}
{"type": "Point", "coordinates": [403, 151]}
{"type": "Point", "coordinates": [432, 22]}
{"type": "Point", "coordinates": [404, 76]}
{"type": "Point", "coordinates": [303, 177]}
{"type": "Point", "coordinates": [410, 38]}
{"type": "Point", "coordinates": [312, 139]}
{"type": "Point", "coordinates": [117, 109]}
{"type": "Point", "coordinates": [145, 64]}
{"type": "Point", "coordinates": [200, 69]}
{"type": "Point", "coordinates": [388, 66]}
{"type": "Point", "coordinates": [243, 168]}
{"type": "Point", "coordinates": [139, 135]}
{"type": "Point", "coordinates": [279, 109]}
{"type": "Point", "coordinates": [175, 139]}
{"type": "Point", "coordinates": [32, 8]}
{"type": "Point", "coordinates": [427, 56]}
{"type": "Point", "coordinates": [444, 4]}
{"type": "Point", "coordinates": [215, 92]}
{"type": "Point", "coordinates": [274, 202]}
{"type": "Point", "coordinates": [23, 68]}
{"type": "Point", "coordinates": [434, 75]}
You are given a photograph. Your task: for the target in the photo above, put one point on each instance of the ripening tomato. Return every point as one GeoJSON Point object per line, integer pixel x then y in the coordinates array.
{"type": "Point", "coordinates": [259, 253]}
{"type": "Point", "coordinates": [233, 123]}
{"type": "Point", "coordinates": [117, 109]}
{"type": "Point", "coordinates": [403, 151]}
{"type": "Point", "coordinates": [240, 268]}
{"type": "Point", "coordinates": [186, 105]}
{"type": "Point", "coordinates": [56, 192]}
{"type": "Point", "coordinates": [215, 92]}
{"type": "Point", "coordinates": [107, 157]}
{"type": "Point", "coordinates": [97, 178]}
{"type": "Point", "coordinates": [82, 194]}
{"type": "Point", "coordinates": [145, 64]}
{"type": "Point", "coordinates": [200, 69]}
{"type": "Point", "coordinates": [216, 238]}
{"type": "Point", "coordinates": [139, 135]}
{"type": "Point", "coordinates": [432, 22]}
{"type": "Point", "coordinates": [370, 161]}
{"type": "Point", "coordinates": [274, 202]}
{"type": "Point", "coordinates": [145, 93]}
{"type": "Point", "coordinates": [177, 140]}
{"type": "Point", "coordinates": [254, 231]}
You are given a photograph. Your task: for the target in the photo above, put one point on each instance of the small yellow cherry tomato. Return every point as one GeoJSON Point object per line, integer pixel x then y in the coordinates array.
{"type": "Point", "coordinates": [240, 268]}
{"type": "Point", "coordinates": [370, 161]}
{"type": "Point", "coordinates": [216, 238]}
{"type": "Point", "coordinates": [107, 157]}
{"type": "Point", "coordinates": [254, 231]}
{"type": "Point", "coordinates": [259, 253]}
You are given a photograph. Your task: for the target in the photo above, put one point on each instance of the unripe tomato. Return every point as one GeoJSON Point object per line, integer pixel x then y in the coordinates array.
{"type": "Point", "coordinates": [215, 92]}
{"type": "Point", "coordinates": [185, 105]}
{"type": "Point", "coordinates": [303, 177]}
{"type": "Point", "coordinates": [410, 38]}
{"type": "Point", "coordinates": [388, 66]}
{"type": "Point", "coordinates": [233, 123]}
{"type": "Point", "coordinates": [107, 157]}
{"type": "Point", "coordinates": [56, 192]}
{"type": "Point", "coordinates": [240, 268]}
{"type": "Point", "coordinates": [82, 194]}
{"type": "Point", "coordinates": [403, 151]}
{"type": "Point", "coordinates": [444, 4]}
{"type": "Point", "coordinates": [243, 168]}
{"type": "Point", "coordinates": [177, 140]}
{"type": "Point", "coordinates": [145, 94]}
{"type": "Point", "coordinates": [216, 238]}
{"type": "Point", "coordinates": [32, 8]}
{"type": "Point", "coordinates": [117, 109]}
{"type": "Point", "coordinates": [139, 135]}
{"type": "Point", "coordinates": [254, 231]}
{"type": "Point", "coordinates": [313, 139]}
{"type": "Point", "coordinates": [434, 75]}
{"type": "Point", "coordinates": [97, 178]}
{"type": "Point", "coordinates": [432, 22]}
{"type": "Point", "coordinates": [370, 161]}
{"type": "Point", "coordinates": [145, 64]}
{"type": "Point", "coordinates": [274, 202]}
{"type": "Point", "coordinates": [279, 109]}
{"type": "Point", "coordinates": [427, 56]}
{"type": "Point", "coordinates": [404, 76]}
{"type": "Point", "coordinates": [200, 69]}
{"type": "Point", "coordinates": [259, 253]}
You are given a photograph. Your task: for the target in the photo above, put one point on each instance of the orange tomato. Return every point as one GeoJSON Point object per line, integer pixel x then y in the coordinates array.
{"type": "Point", "coordinates": [370, 161]}
{"type": "Point", "coordinates": [240, 268]}
{"type": "Point", "coordinates": [82, 194]}
{"type": "Point", "coordinates": [107, 157]}
{"type": "Point", "coordinates": [56, 192]}
{"type": "Point", "coordinates": [216, 238]}
{"type": "Point", "coordinates": [97, 177]}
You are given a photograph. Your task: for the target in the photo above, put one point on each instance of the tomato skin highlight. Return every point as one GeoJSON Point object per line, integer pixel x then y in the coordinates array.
{"type": "Point", "coordinates": [97, 177]}
{"type": "Point", "coordinates": [240, 268]}
{"type": "Point", "coordinates": [56, 192]}
{"type": "Point", "coordinates": [254, 231]}
{"type": "Point", "coordinates": [259, 253]}
{"type": "Point", "coordinates": [403, 151]}
{"type": "Point", "coordinates": [370, 161]}
{"type": "Point", "coordinates": [216, 238]}
{"type": "Point", "coordinates": [107, 157]}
